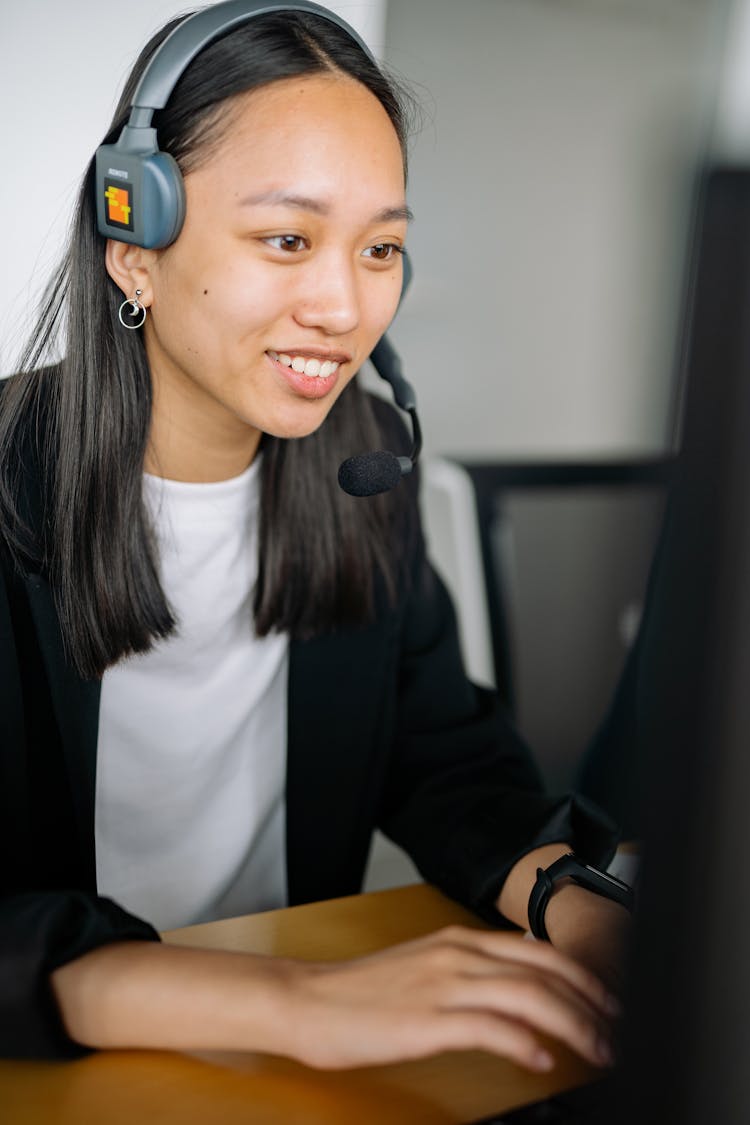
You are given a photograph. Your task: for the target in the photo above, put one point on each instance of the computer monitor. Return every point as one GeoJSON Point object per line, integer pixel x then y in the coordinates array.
{"type": "Point", "coordinates": [688, 1018]}
{"type": "Point", "coordinates": [686, 1034]}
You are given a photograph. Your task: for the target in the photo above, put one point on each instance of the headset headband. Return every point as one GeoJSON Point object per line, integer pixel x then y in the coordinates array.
{"type": "Point", "coordinates": [188, 39]}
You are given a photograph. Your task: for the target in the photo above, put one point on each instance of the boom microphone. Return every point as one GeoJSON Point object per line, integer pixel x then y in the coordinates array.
{"type": "Point", "coordinates": [380, 471]}
{"type": "Point", "coordinates": [371, 473]}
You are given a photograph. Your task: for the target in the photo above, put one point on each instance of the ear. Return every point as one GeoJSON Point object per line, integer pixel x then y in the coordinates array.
{"type": "Point", "coordinates": [129, 267]}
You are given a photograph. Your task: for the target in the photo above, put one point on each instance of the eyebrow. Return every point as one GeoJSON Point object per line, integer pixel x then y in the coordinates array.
{"type": "Point", "coordinates": [319, 207]}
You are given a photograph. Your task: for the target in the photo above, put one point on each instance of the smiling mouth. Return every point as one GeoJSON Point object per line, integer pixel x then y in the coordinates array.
{"type": "Point", "coordinates": [314, 368]}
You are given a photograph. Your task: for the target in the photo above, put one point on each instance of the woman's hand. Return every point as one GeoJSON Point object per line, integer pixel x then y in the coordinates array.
{"type": "Point", "coordinates": [457, 989]}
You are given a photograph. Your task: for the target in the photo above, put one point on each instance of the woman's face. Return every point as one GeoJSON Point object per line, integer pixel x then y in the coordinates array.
{"type": "Point", "coordinates": [284, 276]}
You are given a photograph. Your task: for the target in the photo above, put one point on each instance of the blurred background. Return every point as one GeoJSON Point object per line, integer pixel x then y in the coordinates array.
{"type": "Point", "coordinates": [553, 180]}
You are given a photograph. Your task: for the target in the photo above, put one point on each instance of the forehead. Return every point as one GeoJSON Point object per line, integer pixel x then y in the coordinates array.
{"type": "Point", "coordinates": [325, 127]}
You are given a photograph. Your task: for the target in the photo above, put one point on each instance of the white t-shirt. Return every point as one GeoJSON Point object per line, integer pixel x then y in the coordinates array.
{"type": "Point", "coordinates": [190, 814]}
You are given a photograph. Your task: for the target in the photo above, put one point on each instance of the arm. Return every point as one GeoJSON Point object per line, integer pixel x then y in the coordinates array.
{"type": "Point", "coordinates": [466, 799]}
{"type": "Point", "coordinates": [39, 932]}
{"type": "Point", "coordinates": [457, 989]}
{"type": "Point", "coordinates": [463, 795]}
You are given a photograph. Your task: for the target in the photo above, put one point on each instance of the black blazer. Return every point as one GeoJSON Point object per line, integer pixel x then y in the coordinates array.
{"type": "Point", "coordinates": [384, 730]}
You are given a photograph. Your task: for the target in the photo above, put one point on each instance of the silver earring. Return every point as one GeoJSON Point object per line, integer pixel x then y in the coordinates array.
{"type": "Point", "coordinates": [134, 306]}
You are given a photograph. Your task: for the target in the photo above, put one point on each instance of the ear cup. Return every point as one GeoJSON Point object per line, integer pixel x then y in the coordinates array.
{"type": "Point", "coordinates": [163, 200]}
{"type": "Point", "coordinates": [140, 196]}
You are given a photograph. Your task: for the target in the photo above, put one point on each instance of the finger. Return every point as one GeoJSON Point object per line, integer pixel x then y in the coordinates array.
{"type": "Point", "coordinates": [541, 1004]}
{"type": "Point", "coordinates": [539, 954]}
{"type": "Point", "coordinates": [482, 1031]}
{"type": "Point", "coordinates": [520, 989]}
{"type": "Point", "coordinates": [467, 964]}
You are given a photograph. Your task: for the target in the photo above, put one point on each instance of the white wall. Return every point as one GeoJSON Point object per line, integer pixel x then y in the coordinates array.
{"type": "Point", "coordinates": [61, 69]}
{"type": "Point", "coordinates": [551, 189]}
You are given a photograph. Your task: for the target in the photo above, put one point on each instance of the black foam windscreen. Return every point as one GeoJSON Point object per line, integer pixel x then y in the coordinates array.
{"type": "Point", "coordinates": [370, 473]}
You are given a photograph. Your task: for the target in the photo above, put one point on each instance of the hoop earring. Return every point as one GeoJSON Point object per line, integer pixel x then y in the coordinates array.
{"type": "Point", "coordinates": [134, 306]}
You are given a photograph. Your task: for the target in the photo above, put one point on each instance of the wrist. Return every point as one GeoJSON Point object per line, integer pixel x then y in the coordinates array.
{"type": "Point", "coordinates": [513, 899]}
{"type": "Point", "coordinates": [592, 930]}
{"type": "Point", "coordinates": [573, 912]}
{"type": "Point", "coordinates": [570, 868]}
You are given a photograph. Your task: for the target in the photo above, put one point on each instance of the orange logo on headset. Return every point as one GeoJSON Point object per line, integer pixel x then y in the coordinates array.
{"type": "Point", "coordinates": [119, 207]}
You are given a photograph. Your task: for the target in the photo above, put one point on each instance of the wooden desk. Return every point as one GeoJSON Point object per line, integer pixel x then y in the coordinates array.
{"type": "Point", "coordinates": [140, 1087]}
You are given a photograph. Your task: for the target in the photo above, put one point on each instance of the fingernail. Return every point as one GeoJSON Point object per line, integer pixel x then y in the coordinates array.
{"type": "Point", "coordinates": [543, 1060]}
{"type": "Point", "coordinates": [604, 1052]}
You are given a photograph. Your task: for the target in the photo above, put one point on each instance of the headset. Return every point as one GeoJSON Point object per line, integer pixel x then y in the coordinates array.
{"type": "Point", "coordinates": [140, 198]}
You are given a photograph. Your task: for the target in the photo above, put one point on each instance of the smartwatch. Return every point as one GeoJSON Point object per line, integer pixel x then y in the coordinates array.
{"type": "Point", "coordinates": [571, 867]}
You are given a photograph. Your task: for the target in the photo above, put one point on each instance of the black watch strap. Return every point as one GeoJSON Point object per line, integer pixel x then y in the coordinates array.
{"type": "Point", "coordinates": [571, 867]}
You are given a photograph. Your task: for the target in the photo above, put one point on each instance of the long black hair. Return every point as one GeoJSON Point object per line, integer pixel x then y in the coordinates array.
{"type": "Point", "coordinates": [81, 423]}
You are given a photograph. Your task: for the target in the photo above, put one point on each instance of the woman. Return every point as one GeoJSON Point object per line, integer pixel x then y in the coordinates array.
{"type": "Point", "coordinates": [220, 672]}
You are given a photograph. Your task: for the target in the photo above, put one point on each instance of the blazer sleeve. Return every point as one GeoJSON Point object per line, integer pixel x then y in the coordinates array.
{"type": "Point", "coordinates": [40, 929]}
{"type": "Point", "coordinates": [463, 796]}
{"type": "Point", "coordinates": [39, 932]}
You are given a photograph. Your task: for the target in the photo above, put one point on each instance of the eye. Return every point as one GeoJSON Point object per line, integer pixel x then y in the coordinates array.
{"type": "Point", "coordinates": [292, 243]}
{"type": "Point", "coordinates": [383, 251]}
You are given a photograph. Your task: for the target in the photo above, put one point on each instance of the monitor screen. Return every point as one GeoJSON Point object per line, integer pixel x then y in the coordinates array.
{"type": "Point", "coordinates": [688, 1025]}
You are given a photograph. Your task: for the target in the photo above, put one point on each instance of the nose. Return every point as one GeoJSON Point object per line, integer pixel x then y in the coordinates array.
{"type": "Point", "coordinates": [329, 298]}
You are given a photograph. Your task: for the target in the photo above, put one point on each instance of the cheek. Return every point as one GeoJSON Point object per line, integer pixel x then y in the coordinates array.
{"type": "Point", "coordinates": [383, 306]}
{"type": "Point", "coordinates": [195, 282]}
{"type": "Point", "coordinates": [242, 303]}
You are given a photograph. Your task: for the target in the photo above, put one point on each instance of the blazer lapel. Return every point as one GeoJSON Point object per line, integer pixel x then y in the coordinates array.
{"type": "Point", "coordinates": [336, 718]}
{"type": "Point", "coordinates": [76, 706]}
{"type": "Point", "coordinates": [75, 701]}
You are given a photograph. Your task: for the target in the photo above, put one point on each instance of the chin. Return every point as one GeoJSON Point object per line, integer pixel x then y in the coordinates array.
{"type": "Point", "coordinates": [296, 423]}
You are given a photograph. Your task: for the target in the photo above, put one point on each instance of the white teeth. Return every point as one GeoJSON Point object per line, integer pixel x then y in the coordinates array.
{"type": "Point", "coordinates": [310, 367]}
